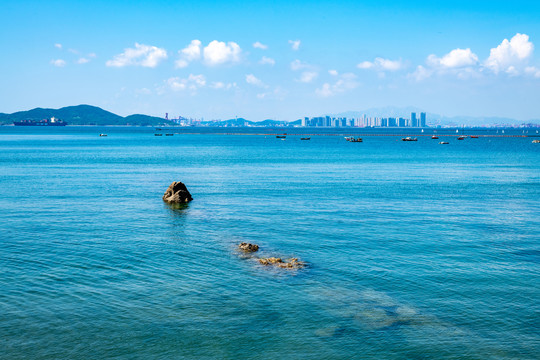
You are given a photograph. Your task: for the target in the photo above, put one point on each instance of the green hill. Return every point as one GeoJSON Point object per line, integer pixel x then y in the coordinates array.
{"type": "Point", "coordinates": [83, 115]}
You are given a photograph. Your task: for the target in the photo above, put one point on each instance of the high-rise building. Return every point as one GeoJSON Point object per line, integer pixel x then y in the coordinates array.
{"type": "Point", "coordinates": [414, 121]}
{"type": "Point", "coordinates": [422, 119]}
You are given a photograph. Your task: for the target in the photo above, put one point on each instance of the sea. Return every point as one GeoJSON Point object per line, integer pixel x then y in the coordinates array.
{"type": "Point", "coordinates": [413, 250]}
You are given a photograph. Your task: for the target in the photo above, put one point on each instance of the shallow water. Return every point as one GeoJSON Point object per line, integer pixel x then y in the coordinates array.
{"type": "Point", "coordinates": [415, 250]}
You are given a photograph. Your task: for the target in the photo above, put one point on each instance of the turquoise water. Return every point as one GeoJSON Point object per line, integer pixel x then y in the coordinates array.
{"type": "Point", "coordinates": [416, 250]}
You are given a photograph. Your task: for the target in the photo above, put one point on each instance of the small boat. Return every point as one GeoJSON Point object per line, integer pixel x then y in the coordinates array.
{"type": "Point", "coordinates": [408, 138]}
{"type": "Point", "coordinates": [444, 142]}
{"type": "Point", "coordinates": [434, 137]}
{"type": "Point", "coordinates": [474, 136]}
{"type": "Point", "coordinates": [461, 138]}
{"type": "Point", "coordinates": [158, 134]}
{"type": "Point", "coordinates": [281, 136]}
{"type": "Point", "coordinates": [169, 134]}
{"type": "Point", "coordinates": [536, 141]}
{"type": "Point", "coordinates": [353, 139]}
{"type": "Point", "coordinates": [102, 134]}
{"type": "Point", "coordinates": [305, 138]}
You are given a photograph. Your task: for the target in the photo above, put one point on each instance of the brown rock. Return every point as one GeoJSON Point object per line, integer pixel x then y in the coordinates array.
{"type": "Point", "coordinates": [293, 263]}
{"type": "Point", "coordinates": [270, 261]}
{"type": "Point", "coordinates": [177, 193]}
{"type": "Point", "coordinates": [247, 247]}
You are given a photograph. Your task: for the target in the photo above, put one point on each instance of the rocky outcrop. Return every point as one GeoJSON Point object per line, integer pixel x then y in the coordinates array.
{"type": "Point", "coordinates": [247, 247]}
{"type": "Point", "coordinates": [247, 250]}
{"type": "Point", "coordinates": [177, 193]}
{"type": "Point", "coordinates": [293, 263]}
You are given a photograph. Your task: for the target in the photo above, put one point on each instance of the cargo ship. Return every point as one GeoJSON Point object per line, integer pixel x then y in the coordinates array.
{"type": "Point", "coordinates": [45, 122]}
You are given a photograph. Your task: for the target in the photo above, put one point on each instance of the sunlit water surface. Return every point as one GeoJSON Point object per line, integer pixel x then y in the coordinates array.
{"type": "Point", "coordinates": [416, 250]}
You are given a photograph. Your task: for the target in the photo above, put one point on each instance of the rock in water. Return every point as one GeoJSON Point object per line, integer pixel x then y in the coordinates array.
{"type": "Point", "coordinates": [247, 247]}
{"type": "Point", "coordinates": [293, 263]}
{"type": "Point", "coordinates": [177, 193]}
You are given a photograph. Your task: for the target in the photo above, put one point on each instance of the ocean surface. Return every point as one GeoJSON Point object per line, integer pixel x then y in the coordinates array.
{"type": "Point", "coordinates": [415, 250]}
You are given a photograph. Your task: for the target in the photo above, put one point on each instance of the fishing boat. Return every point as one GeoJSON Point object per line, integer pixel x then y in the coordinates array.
{"type": "Point", "coordinates": [444, 142]}
{"type": "Point", "coordinates": [434, 137]}
{"type": "Point", "coordinates": [305, 138]}
{"type": "Point", "coordinates": [158, 134]}
{"type": "Point", "coordinates": [408, 138]}
{"type": "Point", "coordinates": [461, 137]}
{"type": "Point", "coordinates": [353, 139]}
{"type": "Point", "coordinates": [281, 136]}
{"type": "Point", "coordinates": [536, 141]}
{"type": "Point", "coordinates": [474, 136]}
{"type": "Point", "coordinates": [102, 134]}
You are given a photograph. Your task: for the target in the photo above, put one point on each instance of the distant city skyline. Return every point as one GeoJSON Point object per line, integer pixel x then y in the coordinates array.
{"type": "Point", "coordinates": [280, 60]}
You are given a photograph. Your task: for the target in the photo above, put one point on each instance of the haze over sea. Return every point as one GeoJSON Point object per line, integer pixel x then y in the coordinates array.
{"type": "Point", "coordinates": [416, 250]}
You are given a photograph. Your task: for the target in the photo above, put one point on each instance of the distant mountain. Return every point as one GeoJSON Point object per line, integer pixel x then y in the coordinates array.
{"type": "Point", "coordinates": [433, 119]}
{"type": "Point", "coordinates": [244, 122]}
{"type": "Point", "coordinates": [83, 115]}
{"type": "Point", "coordinates": [387, 111]}
{"type": "Point", "coordinates": [145, 120]}
{"type": "Point", "coordinates": [93, 115]}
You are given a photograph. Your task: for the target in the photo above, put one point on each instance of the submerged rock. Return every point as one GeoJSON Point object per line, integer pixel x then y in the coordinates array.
{"type": "Point", "coordinates": [177, 193]}
{"type": "Point", "coordinates": [247, 247]}
{"type": "Point", "coordinates": [292, 263]}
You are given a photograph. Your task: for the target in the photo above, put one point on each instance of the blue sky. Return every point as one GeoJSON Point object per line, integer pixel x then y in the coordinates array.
{"type": "Point", "coordinates": [279, 60]}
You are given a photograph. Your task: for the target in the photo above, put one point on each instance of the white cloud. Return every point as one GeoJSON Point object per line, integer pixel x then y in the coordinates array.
{"type": "Point", "coordinates": [365, 65]}
{"type": "Point", "coordinates": [218, 52]}
{"type": "Point", "coordinates": [462, 63]}
{"type": "Point", "coordinates": [189, 53]}
{"type": "Point", "coordinates": [58, 63]}
{"type": "Point", "coordinates": [58, 46]}
{"type": "Point", "coordinates": [141, 55]}
{"type": "Point", "coordinates": [192, 82]}
{"type": "Point", "coordinates": [389, 65]}
{"type": "Point", "coordinates": [267, 61]}
{"type": "Point", "coordinates": [421, 73]}
{"type": "Point", "coordinates": [84, 60]}
{"type": "Point", "coordinates": [533, 71]}
{"type": "Point", "coordinates": [456, 58]}
{"type": "Point", "coordinates": [308, 76]}
{"type": "Point", "coordinates": [143, 91]}
{"type": "Point", "coordinates": [217, 85]}
{"type": "Point", "coordinates": [333, 72]}
{"type": "Point", "coordinates": [253, 80]}
{"type": "Point", "coordinates": [258, 45]}
{"type": "Point", "coordinates": [295, 44]}
{"type": "Point", "coordinates": [309, 72]}
{"type": "Point", "coordinates": [278, 94]}
{"type": "Point", "coordinates": [345, 83]}
{"type": "Point", "coordinates": [381, 64]}
{"type": "Point", "coordinates": [325, 90]}
{"type": "Point", "coordinates": [510, 55]}
{"type": "Point", "coordinates": [299, 65]}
